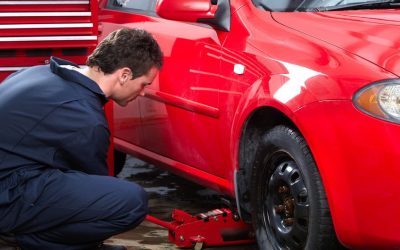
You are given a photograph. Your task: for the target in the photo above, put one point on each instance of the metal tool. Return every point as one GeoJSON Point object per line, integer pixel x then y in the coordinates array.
{"type": "Point", "coordinates": [218, 227]}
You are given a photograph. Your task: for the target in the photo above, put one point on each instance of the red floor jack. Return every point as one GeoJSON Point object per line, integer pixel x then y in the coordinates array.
{"type": "Point", "coordinates": [219, 227]}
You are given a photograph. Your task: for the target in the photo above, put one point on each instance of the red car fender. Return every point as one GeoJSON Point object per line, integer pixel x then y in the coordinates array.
{"type": "Point", "coordinates": [258, 96]}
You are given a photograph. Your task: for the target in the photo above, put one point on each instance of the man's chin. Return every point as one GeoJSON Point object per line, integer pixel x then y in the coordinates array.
{"type": "Point", "coordinates": [122, 104]}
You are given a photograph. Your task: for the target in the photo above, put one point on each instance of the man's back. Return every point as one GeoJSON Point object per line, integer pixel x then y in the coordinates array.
{"type": "Point", "coordinates": [45, 110]}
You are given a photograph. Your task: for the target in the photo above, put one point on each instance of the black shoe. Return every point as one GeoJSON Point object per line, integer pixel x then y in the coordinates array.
{"type": "Point", "coordinates": [8, 240]}
{"type": "Point", "coordinates": [110, 247]}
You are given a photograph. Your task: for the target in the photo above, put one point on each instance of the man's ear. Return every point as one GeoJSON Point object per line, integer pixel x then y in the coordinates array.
{"type": "Point", "coordinates": [124, 74]}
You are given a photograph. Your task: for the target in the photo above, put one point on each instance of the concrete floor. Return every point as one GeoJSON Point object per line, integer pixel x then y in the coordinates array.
{"type": "Point", "coordinates": [166, 191]}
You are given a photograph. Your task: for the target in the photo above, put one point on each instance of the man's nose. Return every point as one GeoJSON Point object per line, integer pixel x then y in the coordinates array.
{"type": "Point", "coordinates": [142, 92]}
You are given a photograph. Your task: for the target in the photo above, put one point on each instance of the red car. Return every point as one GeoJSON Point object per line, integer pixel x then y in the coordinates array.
{"type": "Point", "coordinates": [292, 108]}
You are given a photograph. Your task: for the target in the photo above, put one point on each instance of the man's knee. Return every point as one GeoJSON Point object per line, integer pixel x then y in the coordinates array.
{"type": "Point", "coordinates": [135, 204]}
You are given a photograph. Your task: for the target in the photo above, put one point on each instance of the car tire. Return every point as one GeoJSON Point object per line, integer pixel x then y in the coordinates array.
{"type": "Point", "coordinates": [119, 161]}
{"type": "Point", "coordinates": [289, 205]}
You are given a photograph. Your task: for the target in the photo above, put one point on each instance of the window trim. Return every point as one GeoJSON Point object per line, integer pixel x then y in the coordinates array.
{"type": "Point", "coordinates": [150, 12]}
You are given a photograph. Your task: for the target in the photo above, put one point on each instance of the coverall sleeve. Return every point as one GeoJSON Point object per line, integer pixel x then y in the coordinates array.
{"type": "Point", "coordinates": [87, 150]}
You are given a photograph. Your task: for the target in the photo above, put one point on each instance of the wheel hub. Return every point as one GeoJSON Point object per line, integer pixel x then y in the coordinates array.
{"type": "Point", "coordinates": [287, 206]}
{"type": "Point", "coordinates": [286, 210]}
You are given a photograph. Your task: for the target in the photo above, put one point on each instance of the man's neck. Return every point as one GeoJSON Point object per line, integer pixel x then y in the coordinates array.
{"type": "Point", "coordinates": [99, 77]}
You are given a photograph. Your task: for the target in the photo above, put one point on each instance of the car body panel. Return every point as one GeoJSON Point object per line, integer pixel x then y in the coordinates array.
{"type": "Point", "coordinates": [181, 108]}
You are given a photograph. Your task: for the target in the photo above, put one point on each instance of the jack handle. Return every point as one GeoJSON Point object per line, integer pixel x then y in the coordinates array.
{"type": "Point", "coordinates": [166, 224]}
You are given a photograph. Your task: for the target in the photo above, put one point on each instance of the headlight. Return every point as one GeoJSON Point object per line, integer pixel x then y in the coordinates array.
{"type": "Point", "coordinates": [380, 99]}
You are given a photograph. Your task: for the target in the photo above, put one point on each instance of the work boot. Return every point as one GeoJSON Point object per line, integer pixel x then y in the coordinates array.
{"type": "Point", "coordinates": [110, 247]}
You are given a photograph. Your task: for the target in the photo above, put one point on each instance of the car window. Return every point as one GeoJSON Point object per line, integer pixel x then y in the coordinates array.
{"type": "Point", "coordinates": [318, 5]}
{"type": "Point", "coordinates": [133, 5]}
{"type": "Point", "coordinates": [279, 5]}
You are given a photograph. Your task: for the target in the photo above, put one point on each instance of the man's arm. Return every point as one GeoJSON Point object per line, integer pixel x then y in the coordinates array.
{"type": "Point", "coordinates": [81, 137]}
{"type": "Point", "coordinates": [86, 150]}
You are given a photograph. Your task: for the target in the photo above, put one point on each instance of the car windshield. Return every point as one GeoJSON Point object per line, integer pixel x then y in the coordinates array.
{"type": "Point", "coordinates": [324, 5]}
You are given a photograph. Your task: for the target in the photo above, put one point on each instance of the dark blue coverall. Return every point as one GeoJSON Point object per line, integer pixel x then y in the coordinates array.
{"type": "Point", "coordinates": [54, 192]}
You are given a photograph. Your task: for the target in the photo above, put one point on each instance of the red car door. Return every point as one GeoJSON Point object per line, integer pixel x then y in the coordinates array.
{"type": "Point", "coordinates": [179, 113]}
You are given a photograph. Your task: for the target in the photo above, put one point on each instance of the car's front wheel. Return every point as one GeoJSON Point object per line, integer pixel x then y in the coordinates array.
{"type": "Point", "coordinates": [290, 209]}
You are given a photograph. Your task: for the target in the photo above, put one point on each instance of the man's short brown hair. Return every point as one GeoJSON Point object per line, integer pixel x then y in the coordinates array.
{"type": "Point", "coordinates": [132, 48]}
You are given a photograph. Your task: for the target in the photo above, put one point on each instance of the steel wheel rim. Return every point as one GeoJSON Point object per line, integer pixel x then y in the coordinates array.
{"type": "Point", "coordinates": [286, 207]}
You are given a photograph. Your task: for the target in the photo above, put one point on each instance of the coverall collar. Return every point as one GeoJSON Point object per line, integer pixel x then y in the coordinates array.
{"type": "Point", "coordinates": [74, 76]}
